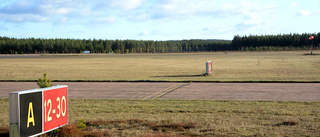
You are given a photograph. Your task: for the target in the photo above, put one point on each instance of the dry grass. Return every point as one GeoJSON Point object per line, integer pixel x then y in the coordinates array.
{"type": "Point", "coordinates": [233, 66]}
{"type": "Point", "coordinates": [165, 118]}
{"type": "Point", "coordinates": [190, 118]}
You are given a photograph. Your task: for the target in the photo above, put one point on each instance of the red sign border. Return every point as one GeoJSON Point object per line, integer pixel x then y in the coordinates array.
{"type": "Point", "coordinates": [67, 117]}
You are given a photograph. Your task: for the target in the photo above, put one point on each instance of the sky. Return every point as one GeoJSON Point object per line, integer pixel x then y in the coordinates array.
{"type": "Point", "coordinates": [156, 19]}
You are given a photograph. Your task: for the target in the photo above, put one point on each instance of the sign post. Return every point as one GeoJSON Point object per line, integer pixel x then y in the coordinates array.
{"type": "Point", "coordinates": [35, 112]}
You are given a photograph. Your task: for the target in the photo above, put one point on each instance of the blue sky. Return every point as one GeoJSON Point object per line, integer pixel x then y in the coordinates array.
{"type": "Point", "coordinates": [156, 19]}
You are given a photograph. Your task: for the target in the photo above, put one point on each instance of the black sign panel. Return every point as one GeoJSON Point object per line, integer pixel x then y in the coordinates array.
{"type": "Point", "coordinates": [30, 113]}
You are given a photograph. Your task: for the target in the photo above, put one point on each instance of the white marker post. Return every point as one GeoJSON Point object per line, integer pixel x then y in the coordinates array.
{"type": "Point", "coordinates": [208, 67]}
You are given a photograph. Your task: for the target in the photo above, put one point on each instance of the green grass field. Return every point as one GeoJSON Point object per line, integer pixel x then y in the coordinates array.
{"type": "Point", "coordinates": [192, 117]}
{"type": "Point", "coordinates": [233, 66]}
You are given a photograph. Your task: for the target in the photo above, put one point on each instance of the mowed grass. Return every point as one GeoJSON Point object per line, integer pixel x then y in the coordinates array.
{"type": "Point", "coordinates": [192, 117]}
{"type": "Point", "coordinates": [233, 66]}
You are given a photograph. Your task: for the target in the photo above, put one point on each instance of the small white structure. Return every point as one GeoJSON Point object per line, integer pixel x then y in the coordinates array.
{"type": "Point", "coordinates": [86, 52]}
{"type": "Point", "coordinates": [208, 67]}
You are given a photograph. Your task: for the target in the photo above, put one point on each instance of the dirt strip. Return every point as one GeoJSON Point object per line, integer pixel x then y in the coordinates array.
{"type": "Point", "coordinates": [193, 91]}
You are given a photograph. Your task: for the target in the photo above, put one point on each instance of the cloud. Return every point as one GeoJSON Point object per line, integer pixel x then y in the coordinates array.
{"type": "Point", "coordinates": [59, 12]}
{"type": "Point", "coordinates": [33, 11]}
{"type": "Point", "coordinates": [240, 14]}
{"type": "Point", "coordinates": [251, 24]}
{"type": "Point", "coordinates": [136, 10]}
{"type": "Point", "coordinates": [61, 21]}
{"type": "Point", "coordinates": [149, 33]}
{"type": "Point", "coordinates": [245, 25]}
{"type": "Point", "coordinates": [20, 7]}
{"type": "Point", "coordinates": [103, 20]}
{"type": "Point", "coordinates": [126, 4]}
{"type": "Point", "coordinates": [181, 8]}
{"type": "Point", "coordinates": [304, 13]}
{"type": "Point", "coordinates": [54, 10]}
{"type": "Point", "coordinates": [293, 4]}
{"type": "Point", "coordinates": [144, 33]}
{"type": "Point", "coordinates": [218, 29]}
{"type": "Point", "coordinates": [248, 10]}
{"type": "Point", "coordinates": [184, 9]}
{"type": "Point", "coordinates": [22, 18]}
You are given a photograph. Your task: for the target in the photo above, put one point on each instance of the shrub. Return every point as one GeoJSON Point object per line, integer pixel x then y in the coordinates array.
{"type": "Point", "coordinates": [44, 81]}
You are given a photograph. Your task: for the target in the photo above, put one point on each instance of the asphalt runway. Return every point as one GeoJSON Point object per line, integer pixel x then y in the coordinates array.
{"type": "Point", "coordinates": [186, 91]}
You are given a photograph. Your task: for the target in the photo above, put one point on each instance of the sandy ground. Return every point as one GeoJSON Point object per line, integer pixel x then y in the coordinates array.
{"type": "Point", "coordinates": [193, 91]}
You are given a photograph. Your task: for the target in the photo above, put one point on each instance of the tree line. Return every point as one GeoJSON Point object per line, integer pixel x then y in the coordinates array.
{"type": "Point", "coordinates": [276, 42]}
{"type": "Point", "coordinates": [32, 45]}
{"type": "Point", "coordinates": [239, 43]}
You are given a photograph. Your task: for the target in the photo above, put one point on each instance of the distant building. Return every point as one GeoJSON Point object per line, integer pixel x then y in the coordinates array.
{"type": "Point", "coordinates": [86, 52]}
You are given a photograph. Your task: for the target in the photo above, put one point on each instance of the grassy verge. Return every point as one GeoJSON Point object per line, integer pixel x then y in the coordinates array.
{"type": "Point", "coordinates": [290, 66]}
{"type": "Point", "coordinates": [191, 117]}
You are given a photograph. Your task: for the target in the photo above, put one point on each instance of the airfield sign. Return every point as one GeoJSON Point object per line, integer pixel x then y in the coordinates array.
{"type": "Point", "coordinates": [34, 112]}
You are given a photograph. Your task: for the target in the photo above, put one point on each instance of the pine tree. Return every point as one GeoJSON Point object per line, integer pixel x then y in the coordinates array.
{"type": "Point", "coordinates": [44, 81]}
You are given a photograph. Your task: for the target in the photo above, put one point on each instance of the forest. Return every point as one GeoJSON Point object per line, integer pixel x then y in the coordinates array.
{"type": "Point", "coordinates": [239, 43]}
{"type": "Point", "coordinates": [281, 42]}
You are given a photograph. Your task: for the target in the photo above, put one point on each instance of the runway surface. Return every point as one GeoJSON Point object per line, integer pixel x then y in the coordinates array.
{"type": "Point", "coordinates": [188, 91]}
